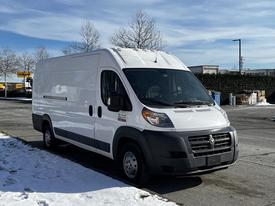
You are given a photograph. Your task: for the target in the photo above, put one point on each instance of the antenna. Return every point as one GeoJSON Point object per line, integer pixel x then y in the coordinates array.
{"type": "Point", "coordinates": [156, 60]}
{"type": "Point", "coordinates": [135, 48]}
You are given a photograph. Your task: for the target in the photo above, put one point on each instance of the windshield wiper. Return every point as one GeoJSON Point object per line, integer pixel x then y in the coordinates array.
{"type": "Point", "coordinates": [194, 102]}
{"type": "Point", "coordinates": [182, 104]}
{"type": "Point", "coordinates": [159, 102]}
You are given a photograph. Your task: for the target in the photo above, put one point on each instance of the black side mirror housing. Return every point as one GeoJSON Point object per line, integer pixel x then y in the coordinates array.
{"type": "Point", "coordinates": [115, 102]}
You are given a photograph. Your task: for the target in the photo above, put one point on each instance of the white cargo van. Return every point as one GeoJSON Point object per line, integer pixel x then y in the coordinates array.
{"type": "Point", "coordinates": [143, 108]}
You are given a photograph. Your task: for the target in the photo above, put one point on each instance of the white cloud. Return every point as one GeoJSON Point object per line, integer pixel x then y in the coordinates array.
{"type": "Point", "coordinates": [47, 27]}
{"type": "Point", "coordinates": [63, 28]}
{"type": "Point", "coordinates": [6, 10]}
{"type": "Point", "coordinates": [176, 35]}
{"type": "Point", "coordinates": [198, 31]}
{"type": "Point", "coordinates": [71, 2]}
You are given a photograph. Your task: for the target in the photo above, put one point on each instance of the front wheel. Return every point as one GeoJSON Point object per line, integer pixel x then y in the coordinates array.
{"type": "Point", "coordinates": [133, 165]}
{"type": "Point", "coordinates": [48, 138]}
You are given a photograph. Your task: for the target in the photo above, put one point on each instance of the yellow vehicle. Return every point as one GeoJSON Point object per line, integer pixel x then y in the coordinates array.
{"type": "Point", "coordinates": [2, 87]}
{"type": "Point", "coordinates": [19, 86]}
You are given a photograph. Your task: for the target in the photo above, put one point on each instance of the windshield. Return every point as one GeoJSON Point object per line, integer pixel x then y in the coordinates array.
{"type": "Point", "coordinates": [167, 88]}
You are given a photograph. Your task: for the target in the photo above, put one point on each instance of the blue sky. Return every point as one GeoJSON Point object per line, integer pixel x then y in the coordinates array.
{"type": "Point", "coordinates": [197, 31]}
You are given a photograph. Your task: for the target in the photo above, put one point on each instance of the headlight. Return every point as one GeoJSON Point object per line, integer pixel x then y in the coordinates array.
{"type": "Point", "coordinates": [156, 119]}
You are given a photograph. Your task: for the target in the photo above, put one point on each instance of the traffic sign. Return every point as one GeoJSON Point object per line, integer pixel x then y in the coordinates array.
{"type": "Point", "coordinates": [22, 74]}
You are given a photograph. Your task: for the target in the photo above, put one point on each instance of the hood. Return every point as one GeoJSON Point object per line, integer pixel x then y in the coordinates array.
{"type": "Point", "coordinates": [188, 119]}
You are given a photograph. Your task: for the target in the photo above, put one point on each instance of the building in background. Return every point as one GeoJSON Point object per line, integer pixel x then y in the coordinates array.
{"type": "Point", "coordinates": [260, 72]}
{"type": "Point", "coordinates": [16, 84]}
{"type": "Point", "coordinates": [205, 69]}
{"type": "Point", "coordinates": [227, 71]}
{"type": "Point", "coordinates": [12, 78]}
{"type": "Point", "coordinates": [252, 72]}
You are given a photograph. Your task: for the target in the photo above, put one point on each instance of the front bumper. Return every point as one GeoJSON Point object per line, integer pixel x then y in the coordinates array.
{"type": "Point", "coordinates": [172, 153]}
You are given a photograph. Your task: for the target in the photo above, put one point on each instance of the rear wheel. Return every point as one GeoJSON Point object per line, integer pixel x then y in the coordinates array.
{"type": "Point", "coordinates": [133, 165]}
{"type": "Point", "coordinates": [48, 138]}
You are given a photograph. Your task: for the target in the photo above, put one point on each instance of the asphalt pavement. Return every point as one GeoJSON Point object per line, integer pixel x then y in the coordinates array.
{"type": "Point", "coordinates": [251, 181]}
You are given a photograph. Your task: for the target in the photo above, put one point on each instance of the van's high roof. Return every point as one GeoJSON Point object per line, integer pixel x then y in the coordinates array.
{"type": "Point", "coordinates": [134, 58]}
{"type": "Point", "coordinates": [138, 58]}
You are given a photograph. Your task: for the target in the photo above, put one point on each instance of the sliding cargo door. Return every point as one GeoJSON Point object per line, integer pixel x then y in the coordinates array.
{"type": "Point", "coordinates": [76, 117]}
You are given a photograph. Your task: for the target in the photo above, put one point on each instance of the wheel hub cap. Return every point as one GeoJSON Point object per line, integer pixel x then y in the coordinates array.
{"type": "Point", "coordinates": [130, 165]}
{"type": "Point", "coordinates": [47, 138]}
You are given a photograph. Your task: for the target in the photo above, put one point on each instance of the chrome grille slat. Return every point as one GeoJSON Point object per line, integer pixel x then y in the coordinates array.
{"type": "Point", "coordinates": [201, 146]}
{"type": "Point", "coordinates": [222, 140]}
{"type": "Point", "coordinates": [199, 143]}
{"type": "Point", "coordinates": [214, 150]}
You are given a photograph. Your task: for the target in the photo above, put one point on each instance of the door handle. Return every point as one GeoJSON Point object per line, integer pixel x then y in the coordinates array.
{"type": "Point", "coordinates": [91, 110]}
{"type": "Point", "coordinates": [99, 112]}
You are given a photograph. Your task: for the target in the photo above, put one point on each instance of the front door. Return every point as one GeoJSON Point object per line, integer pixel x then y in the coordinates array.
{"type": "Point", "coordinates": [106, 121]}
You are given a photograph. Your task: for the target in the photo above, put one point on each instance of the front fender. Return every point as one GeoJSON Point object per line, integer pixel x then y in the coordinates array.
{"type": "Point", "coordinates": [134, 135]}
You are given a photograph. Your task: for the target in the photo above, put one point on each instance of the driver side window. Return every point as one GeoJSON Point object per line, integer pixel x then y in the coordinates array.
{"type": "Point", "coordinates": [111, 83]}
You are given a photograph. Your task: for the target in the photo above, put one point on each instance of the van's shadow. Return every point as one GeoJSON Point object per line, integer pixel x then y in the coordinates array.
{"type": "Point", "coordinates": [83, 182]}
{"type": "Point", "coordinates": [167, 184]}
{"type": "Point", "coordinates": [157, 184]}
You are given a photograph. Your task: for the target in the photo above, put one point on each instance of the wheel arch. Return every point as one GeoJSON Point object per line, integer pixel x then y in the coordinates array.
{"type": "Point", "coordinates": [127, 134]}
{"type": "Point", "coordinates": [46, 120]}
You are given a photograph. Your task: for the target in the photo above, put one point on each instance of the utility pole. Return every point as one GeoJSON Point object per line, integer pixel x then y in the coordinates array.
{"type": "Point", "coordinates": [240, 55]}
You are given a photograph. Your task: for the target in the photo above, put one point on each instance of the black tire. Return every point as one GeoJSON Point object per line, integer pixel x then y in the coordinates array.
{"type": "Point", "coordinates": [131, 158]}
{"type": "Point", "coordinates": [49, 139]}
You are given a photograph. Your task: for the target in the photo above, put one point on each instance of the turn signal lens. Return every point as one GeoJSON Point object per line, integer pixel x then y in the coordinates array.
{"type": "Point", "coordinates": [156, 119]}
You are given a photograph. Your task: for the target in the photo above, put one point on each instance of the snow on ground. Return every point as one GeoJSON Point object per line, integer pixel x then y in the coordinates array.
{"type": "Point", "coordinates": [29, 176]}
{"type": "Point", "coordinates": [262, 104]}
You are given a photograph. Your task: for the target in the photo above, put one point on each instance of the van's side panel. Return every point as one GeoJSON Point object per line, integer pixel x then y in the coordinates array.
{"type": "Point", "coordinates": [66, 89]}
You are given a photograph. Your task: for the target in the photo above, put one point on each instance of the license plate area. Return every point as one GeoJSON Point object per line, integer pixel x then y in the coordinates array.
{"type": "Point", "coordinates": [213, 160]}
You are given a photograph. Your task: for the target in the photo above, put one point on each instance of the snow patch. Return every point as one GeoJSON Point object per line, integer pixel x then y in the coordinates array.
{"type": "Point", "coordinates": [262, 104]}
{"type": "Point", "coordinates": [29, 176]}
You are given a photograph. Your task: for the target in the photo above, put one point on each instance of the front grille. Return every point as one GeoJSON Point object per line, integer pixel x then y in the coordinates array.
{"type": "Point", "coordinates": [210, 144]}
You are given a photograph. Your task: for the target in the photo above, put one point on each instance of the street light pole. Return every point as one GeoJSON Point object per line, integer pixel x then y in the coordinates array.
{"type": "Point", "coordinates": [240, 55]}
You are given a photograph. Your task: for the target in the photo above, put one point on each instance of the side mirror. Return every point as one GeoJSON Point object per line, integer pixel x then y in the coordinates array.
{"type": "Point", "coordinates": [115, 102]}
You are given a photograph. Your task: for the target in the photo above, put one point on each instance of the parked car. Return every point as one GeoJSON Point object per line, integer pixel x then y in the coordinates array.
{"type": "Point", "coordinates": [143, 108]}
{"type": "Point", "coordinates": [28, 91]}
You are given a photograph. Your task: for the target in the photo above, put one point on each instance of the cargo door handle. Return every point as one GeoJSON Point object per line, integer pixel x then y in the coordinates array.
{"type": "Point", "coordinates": [99, 112]}
{"type": "Point", "coordinates": [91, 110]}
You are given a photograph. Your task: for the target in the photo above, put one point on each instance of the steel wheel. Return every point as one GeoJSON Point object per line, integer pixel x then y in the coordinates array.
{"type": "Point", "coordinates": [47, 138]}
{"type": "Point", "coordinates": [130, 165]}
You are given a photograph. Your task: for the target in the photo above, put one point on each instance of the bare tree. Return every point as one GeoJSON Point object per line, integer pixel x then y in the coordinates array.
{"type": "Point", "coordinates": [142, 34]}
{"type": "Point", "coordinates": [41, 53]}
{"type": "Point", "coordinates": [89, 40]}
{"type": "Point", "coordinates": [27, 61]}
{"type": "Point", "coordinates": [9, 63]}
